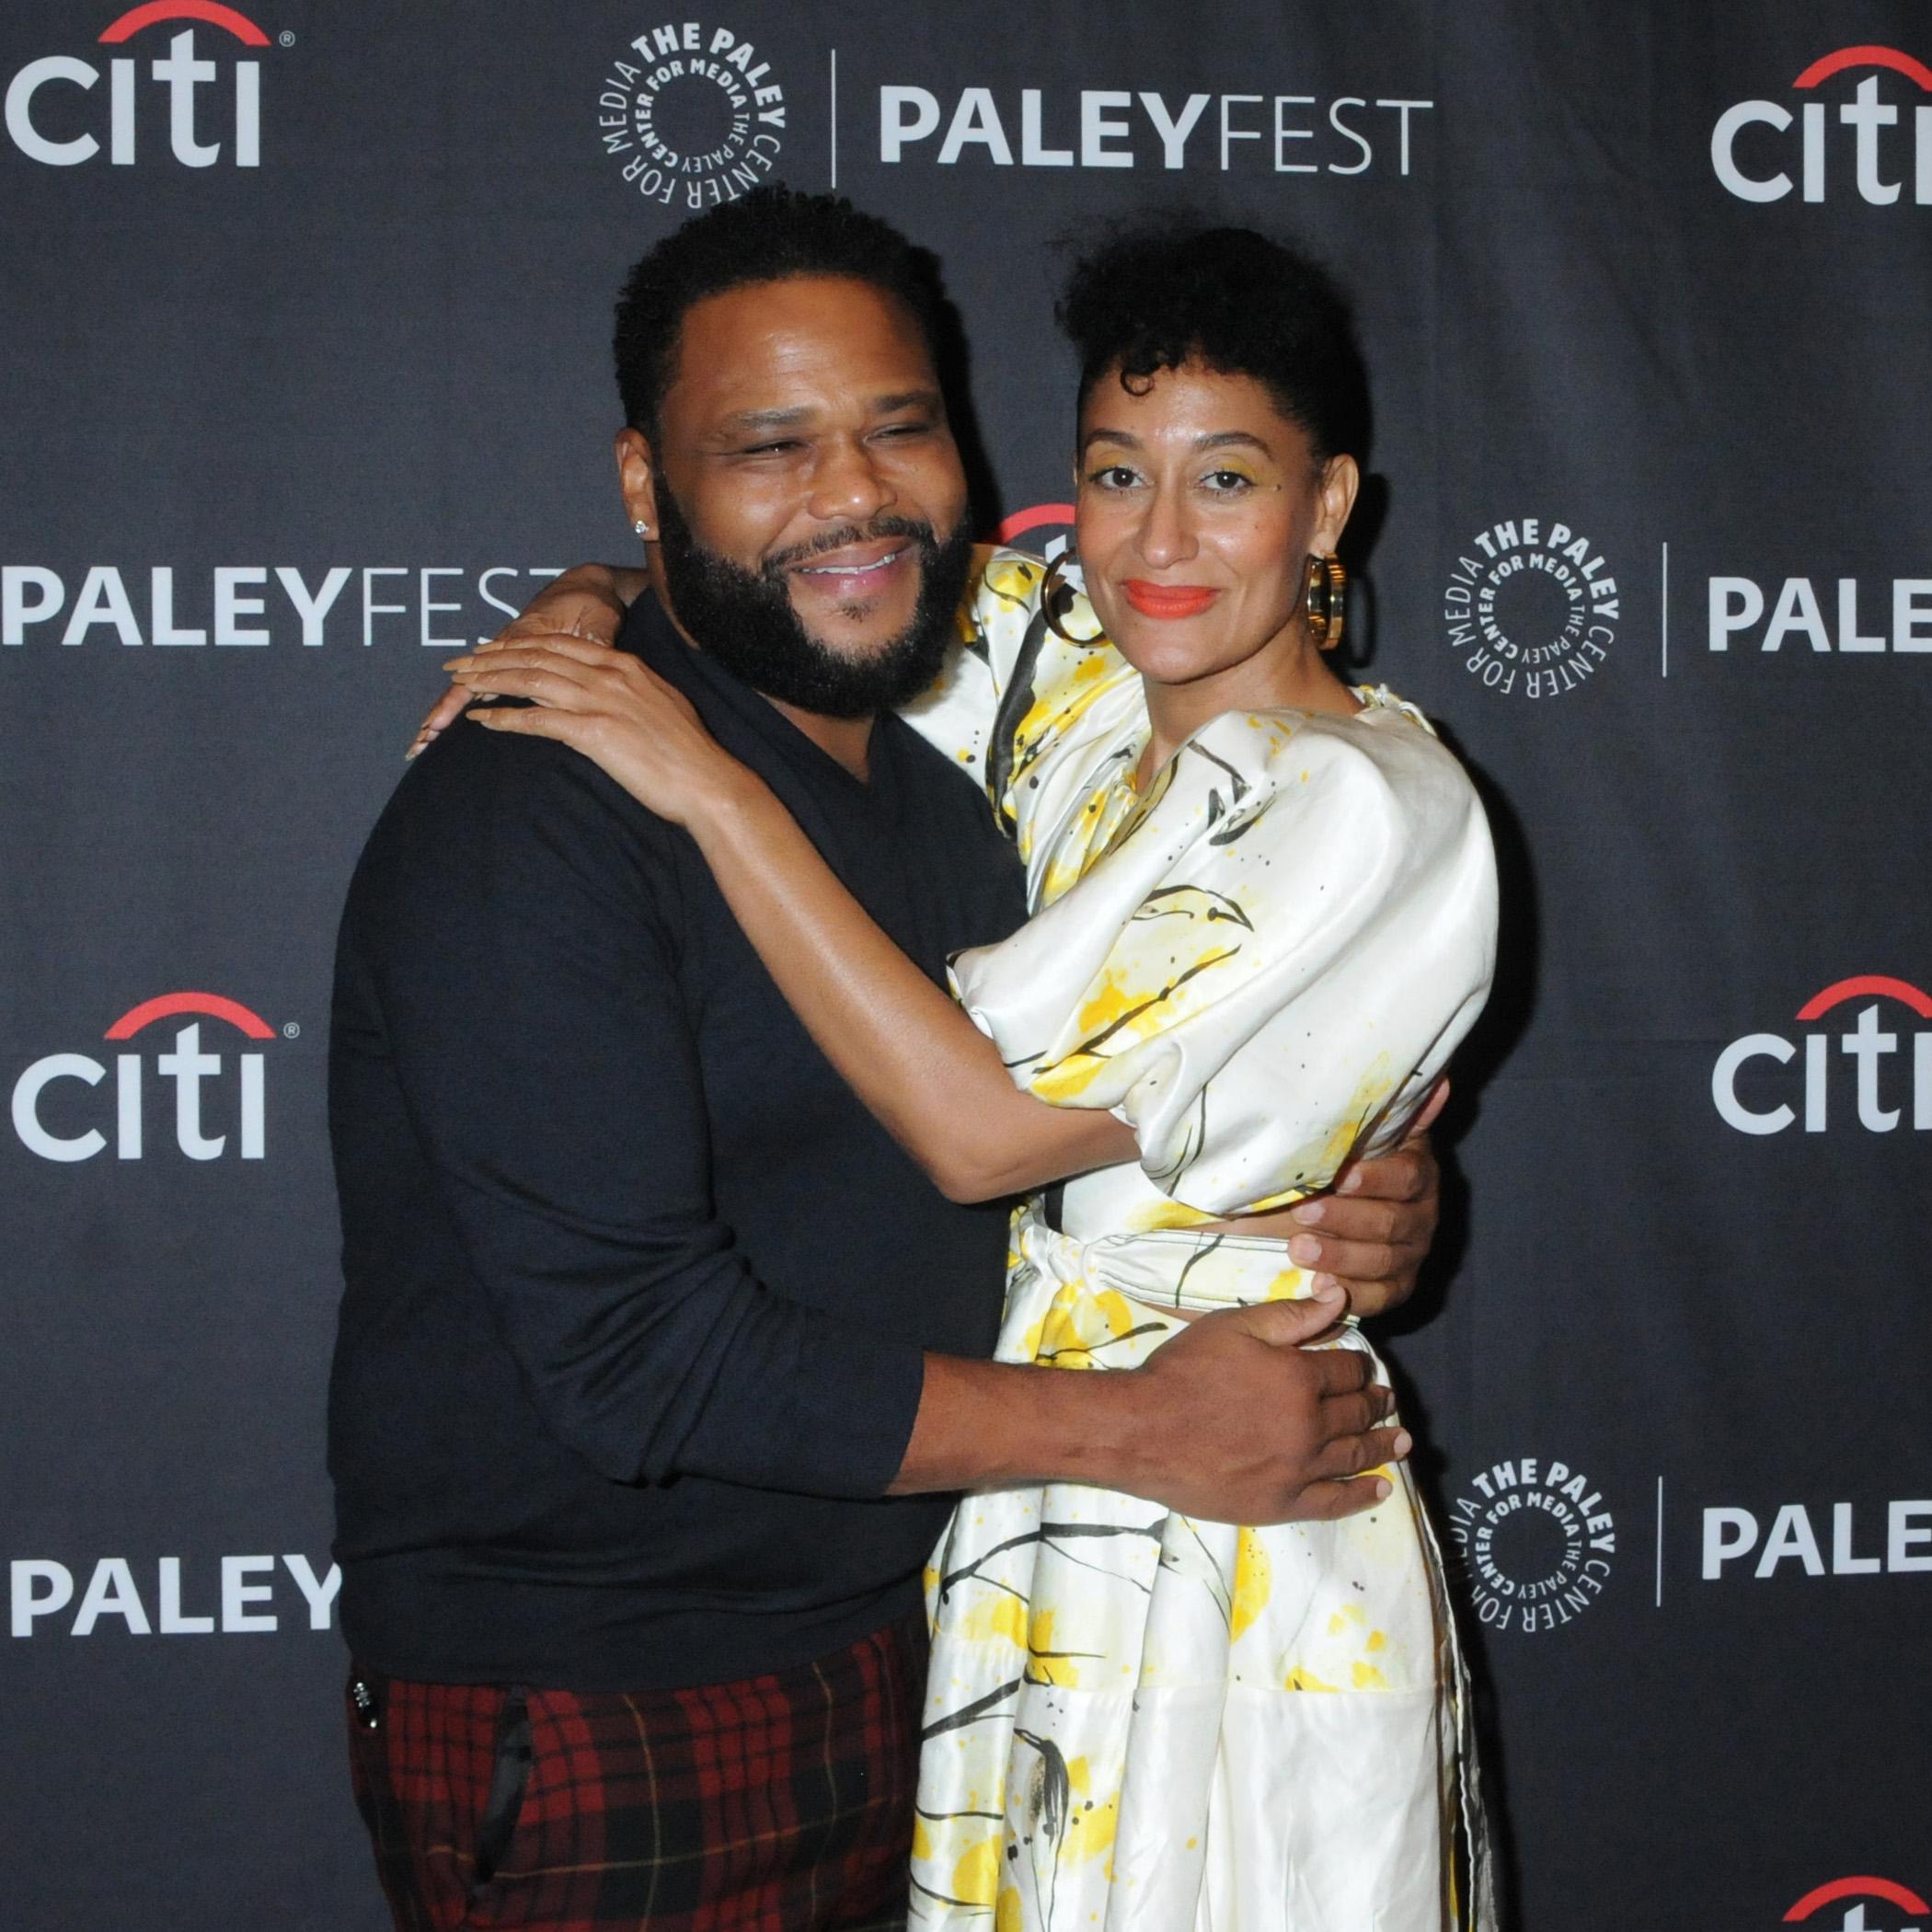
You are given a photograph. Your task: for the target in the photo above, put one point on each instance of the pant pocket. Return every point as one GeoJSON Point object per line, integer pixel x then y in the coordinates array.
{"type": "Point", "coordinates": [509, 1785]}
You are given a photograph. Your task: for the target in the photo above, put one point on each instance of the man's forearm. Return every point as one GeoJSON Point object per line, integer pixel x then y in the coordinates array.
{"type": "Point", "coordinates": [992, 1424]}
{"type": "Point", "coordinates": [1233, 1421]}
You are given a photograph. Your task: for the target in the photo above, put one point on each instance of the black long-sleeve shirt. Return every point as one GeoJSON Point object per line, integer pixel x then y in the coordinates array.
{"type": "Point", "coordinates": [637, 1290]}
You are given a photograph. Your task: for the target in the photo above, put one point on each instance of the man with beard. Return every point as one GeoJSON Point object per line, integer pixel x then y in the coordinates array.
{"type": "Point", "coordinates": [659, 1359]}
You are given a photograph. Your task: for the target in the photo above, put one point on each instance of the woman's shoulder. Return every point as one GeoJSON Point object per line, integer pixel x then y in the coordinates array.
{"type": "Point", "coordinates": [1374, 785]}
{"type": "Point", "coordinates": [1387, 742]}
{"type": "Point", "coordinates": [1409, 752]}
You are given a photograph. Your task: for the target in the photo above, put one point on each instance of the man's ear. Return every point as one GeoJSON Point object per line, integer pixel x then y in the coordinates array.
{"type": "Point", "coordinates": [638, 479]}
{"type": "Point", "coordinates": [1340, 480]}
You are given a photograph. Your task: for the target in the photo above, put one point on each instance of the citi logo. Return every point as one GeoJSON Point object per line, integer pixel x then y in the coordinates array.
{"type": "Point", "coordinates": [1868, 1043]}
{"type": "Point", "coordinates": [49, 124]}
{"type": "Point", "coordinates": [1895, 1905]}
{"type": "Point", "coordinates": [56, 1123]}
{"type": "Point", "coordinates": [1046, 528]}
{"type": "Point", "coordinates": [1755, 165]}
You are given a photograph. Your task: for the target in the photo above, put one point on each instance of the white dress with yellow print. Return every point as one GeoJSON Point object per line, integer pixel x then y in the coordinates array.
{"type": "Point", "coordinates": [1136, 1722]}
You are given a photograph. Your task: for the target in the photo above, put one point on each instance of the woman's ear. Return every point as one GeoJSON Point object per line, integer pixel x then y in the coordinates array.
{"type": "Point", "coordinates": [1340, 482]}
{"type": "Point", "coordinates": [637, 480]}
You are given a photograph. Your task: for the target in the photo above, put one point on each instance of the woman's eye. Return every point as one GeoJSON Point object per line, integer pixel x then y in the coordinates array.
{"type": "Point", "coordinates": [1113, 475]}
{"type": "Point", "coordinates": [1227, 482]}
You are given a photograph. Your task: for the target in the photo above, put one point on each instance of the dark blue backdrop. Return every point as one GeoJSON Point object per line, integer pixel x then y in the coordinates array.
{"type": "Point", "coordinates": [303, 369]}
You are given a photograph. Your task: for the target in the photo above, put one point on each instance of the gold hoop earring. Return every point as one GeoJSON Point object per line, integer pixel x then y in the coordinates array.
{"type": "Point", "coordinates": [1325, 598]}
{"type": "Point", "coordinates": [1053, 587]}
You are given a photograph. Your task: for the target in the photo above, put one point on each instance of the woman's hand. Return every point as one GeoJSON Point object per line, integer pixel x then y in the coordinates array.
{"type": "Point", "coordinates": [616, 711]}
{"type": "Point", "coordinates": [1372, 1230]}
{"type": "Point", "coordinates": [586, 604]}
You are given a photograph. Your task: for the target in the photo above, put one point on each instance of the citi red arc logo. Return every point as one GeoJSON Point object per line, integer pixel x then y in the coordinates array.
{"type": "Point", "coordinates": [1861, 984]}
{"type": "Point", "coordinates": [1044, 528]}
{"type": "Point", "coordinates": [1854, 1893]}
{"type": "Point", "coordinates": [155, 11]}
{"type": "Point", "coordinates": [42, 110]}
{"type": "Point", "coordinates": [1828, 64]}
{"type": "Point", "coordinates": [1878, 1099]}
{"type": "Point", "coordinates": [59, 1125]}
{"type": "Point", "coordinates": [212, 1003]}
{"type": "Point", "coordinates": [1021, 521]}
{"type": "Point", "coordinates": [1756, 166]}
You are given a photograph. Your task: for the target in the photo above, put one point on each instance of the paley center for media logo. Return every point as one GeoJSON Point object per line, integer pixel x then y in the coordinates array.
{"type": "Point", "coordinates": [56, 114]}
{"type": "Point", "coordinates": [1863, 1904]}
{"type": "Point", "coordinates": [60, 1113]}
{"type": "Point", "coordinates": [1531, 607]}
{"type": "Point", "coordinates": [1533, 1540]}
{"type": "Point", "coordinates": [692, 114]}
{"type": "Point", "coordinates": [1756, 1089]}
{"type": "Point", "coordinates": [1753, 151]}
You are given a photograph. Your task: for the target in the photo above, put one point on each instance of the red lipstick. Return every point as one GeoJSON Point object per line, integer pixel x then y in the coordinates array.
{"type": "Point", "coordinates": [1168, 600]}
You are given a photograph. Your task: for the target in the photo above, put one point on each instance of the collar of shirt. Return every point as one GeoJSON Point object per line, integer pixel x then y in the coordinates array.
{"type": "Point", "coordinates": [748, 724]}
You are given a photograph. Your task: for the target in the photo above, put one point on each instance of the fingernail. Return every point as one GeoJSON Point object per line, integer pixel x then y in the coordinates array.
{"type": "Point", "coordinates": [415, 751]}
{"type": "Point", "coordinates": [1349, 1181]}
{"type": "Point", "coordinates": [1382, 1489]}
{"type": "Point", "coordinates": [1310, 1213]}
{"type": "Point", "coordinates": [456, 664]}
{"type": "Point", "coordinates": [1404, 1443]}
{"type": "Point", "coordinates": [1305, 1249]}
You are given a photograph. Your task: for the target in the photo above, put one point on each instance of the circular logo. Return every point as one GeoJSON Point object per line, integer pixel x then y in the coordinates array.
{"type": "Point", "coordinates": [1531, 608]}
{"type": "Point", "coordinates": [1535, 1544]}
{"type": "Point", "coordinates": [692, 115]}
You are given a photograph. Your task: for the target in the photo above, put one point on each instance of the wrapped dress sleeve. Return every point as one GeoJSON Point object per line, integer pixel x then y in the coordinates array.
{"type": "Point", "coordinates": [1270, 962]}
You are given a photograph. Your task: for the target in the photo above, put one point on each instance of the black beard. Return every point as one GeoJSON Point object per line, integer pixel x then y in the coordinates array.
{"type": "Point", "coordinates": [744, 619]}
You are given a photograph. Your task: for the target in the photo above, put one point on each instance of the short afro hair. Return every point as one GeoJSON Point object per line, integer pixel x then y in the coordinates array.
{"type": "Point", "coordinates": [1175, 291]}
{"type": "Point", "coordinates": [768, 235]}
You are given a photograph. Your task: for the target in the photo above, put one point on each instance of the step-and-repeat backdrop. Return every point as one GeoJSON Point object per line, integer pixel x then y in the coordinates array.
{"type": "Point", "coordinates": [304, 385]}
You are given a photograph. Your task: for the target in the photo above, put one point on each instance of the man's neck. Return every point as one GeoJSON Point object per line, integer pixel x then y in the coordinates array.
{"type": "Point", "coordinates": [846, 740]}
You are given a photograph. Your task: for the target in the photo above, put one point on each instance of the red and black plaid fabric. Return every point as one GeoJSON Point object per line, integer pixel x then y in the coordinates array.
{"type": "Point", "coordinates": [783, 1804]}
